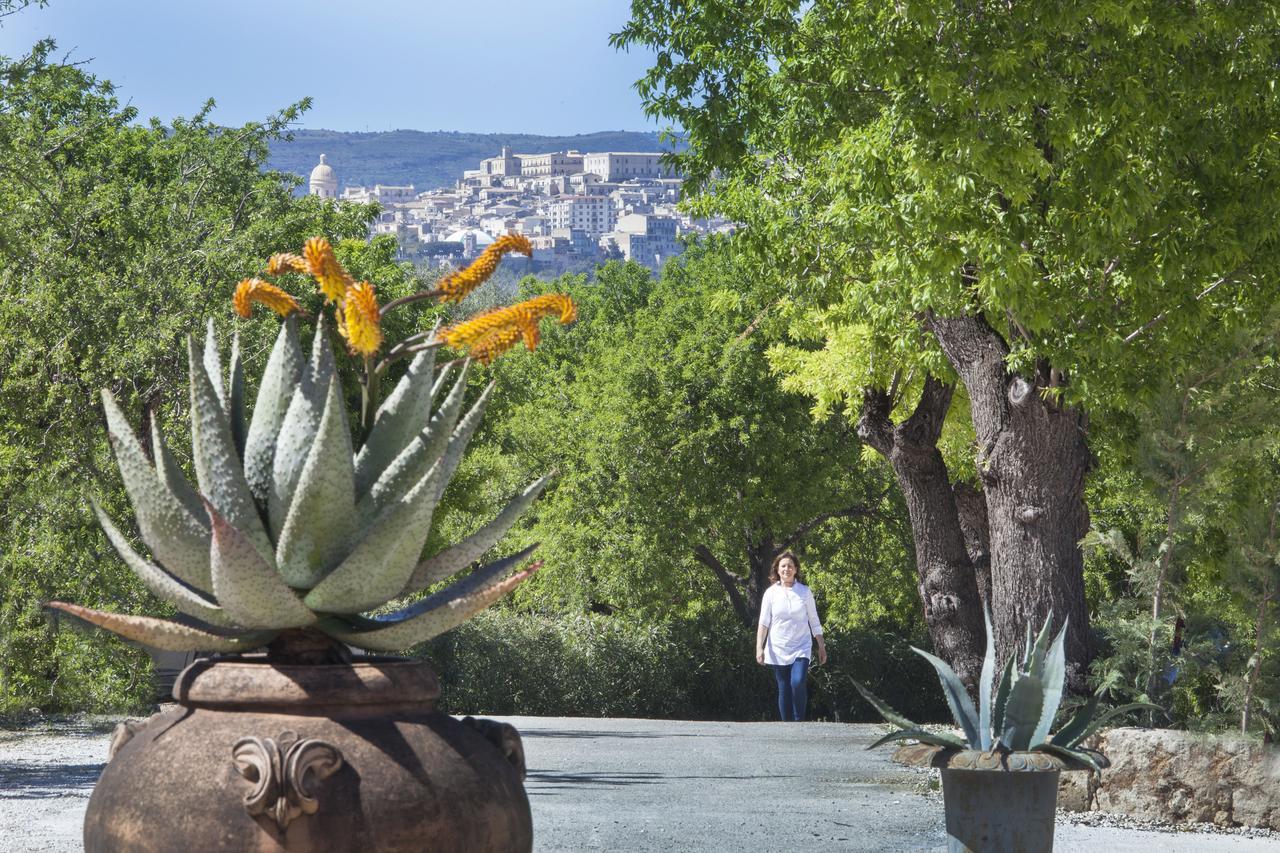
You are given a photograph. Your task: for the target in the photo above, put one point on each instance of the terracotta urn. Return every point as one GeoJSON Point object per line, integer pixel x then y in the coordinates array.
{"type": "Point", "coordinates": [265, 753]}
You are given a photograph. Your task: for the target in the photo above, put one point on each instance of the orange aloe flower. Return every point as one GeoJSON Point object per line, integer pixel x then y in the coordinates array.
{"type": "Point", "coordinates": [458, 284]}
{"type": "Point", "coordinates": [323, 264]}
{"type": "Point", "coordinates": [252, 290]}
{"type": "Point", "coordinates": [494, 332]}
{"type": "Point", "coordinates": [362, 319]}
{"type": "Point", "coordinates": [285, 262]}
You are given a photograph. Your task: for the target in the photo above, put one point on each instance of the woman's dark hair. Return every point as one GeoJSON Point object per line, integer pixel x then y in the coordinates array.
{"type": "Point", "coordinates": [773, 570]}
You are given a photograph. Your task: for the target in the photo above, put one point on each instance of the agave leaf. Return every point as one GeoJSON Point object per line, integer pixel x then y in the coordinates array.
{"type": "Point", "coordinates": [435, 614]}
{"type": "Point", "coordinates": [235, 396]}
{"type": "Point", "coordinates": [415, 457]}
{"type": "Point", "coordinates": [890, 715]}
{"type": "Point", "coordinates": [1002, 697]}
{"type": "Point", "coordinates": [163, 634]}
{"type": "Point", "coordinates": [1035, 665]}
{"type": "Point", "coordinates": [246, 585]}
{"type": "Point", "coordinates": [461, 437]}
{"type": "Point", "coordinates": [400, 417]}
{"type": "Point", "coordinates": [457, 557]}
{"type": "Point", "coordinates": [922, 735]}
{"type": "Point", "coordinates": [1070, 734]}
{"type": "Point", "coordinates": [1022, 712]}
{"type": "Point", "coordinates": [218, 469]}
{"type": "Point", "coordinates": [1054, 676]}
{"type": "Point", "coordinates": [322, 517]}
{"type": "Point", "coordinates": [986, 683]}
{"type": "Point", "coordinates": [176, 481]}
{"type": "Point", "coordinates": [275, 392]}
{"type": "Point", "coordinates": [176, 539]}
{"type": "Point", "coordinates": [298, 430]}
{"type": "Point", "coordinates": [1026, 654]}
{"type": "Point", "coordinates": [1110, 714]}
{"type": "Point", "coordinates": [213, 365]}
{"type": "Point", "coordinates": [1069, 754]}
{"type": "Point", "coordinates": [377, 569]}
{"type": "Point", "coordinates": [161, 583]}
{"type": "Point", "coordinates": [957, 697]}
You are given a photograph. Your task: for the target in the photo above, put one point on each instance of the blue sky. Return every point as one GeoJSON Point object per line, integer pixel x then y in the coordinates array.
{"type": "Point", "coordinates": [492, 66]}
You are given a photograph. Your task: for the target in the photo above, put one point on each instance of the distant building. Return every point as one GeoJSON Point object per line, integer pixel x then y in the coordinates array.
{"type": "Point", "coordinates": [644, 238]}
{"type": "Point", "coordinates": [324, 181]}
{"type": "Point", "coordinates": [505, 163]}
{"type": "Point", "coordinates": [548, 165]}
{"type": "Point", "coordinates": [592, 214]}
{"type": "Point", "coordinates": [617, 166]}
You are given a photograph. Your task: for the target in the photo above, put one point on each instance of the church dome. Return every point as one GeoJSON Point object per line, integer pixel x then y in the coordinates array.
{"type": "Point", "coordinates": [324, 181]}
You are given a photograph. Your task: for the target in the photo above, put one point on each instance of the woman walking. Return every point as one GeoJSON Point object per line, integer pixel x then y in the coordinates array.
{"type": "Point", "coordinates": [789, 623]}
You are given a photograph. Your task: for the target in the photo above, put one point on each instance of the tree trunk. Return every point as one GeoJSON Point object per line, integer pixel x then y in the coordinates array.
{"type": "Point", "coordinates": [971, 505]}
{"type": "Point", "coordinates": [1032, 458]}
{"type": "Point", "coordinates": [948, 589]}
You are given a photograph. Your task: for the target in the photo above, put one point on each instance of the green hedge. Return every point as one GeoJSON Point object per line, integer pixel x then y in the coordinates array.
{"type": "Point", "coordinates": [600, 666]}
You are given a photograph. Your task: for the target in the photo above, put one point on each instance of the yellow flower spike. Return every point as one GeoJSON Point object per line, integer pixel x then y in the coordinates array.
{"type": "Point", "coordinates": [285, 262]}
{"type": "Point", "coordinates": [494, 332]}
{"type": "Point", "coordinates": [252, 290]}
{"type": "Point", "coordinates": [456, 285]}
{"type": "Point", "coordinates": [323, 265]}
{"type": "Point", "coordinates": [362, 325]}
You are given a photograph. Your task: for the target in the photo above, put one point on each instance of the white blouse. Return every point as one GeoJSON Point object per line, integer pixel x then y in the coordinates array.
{"type": "Point", "coordinates": [792, 620]}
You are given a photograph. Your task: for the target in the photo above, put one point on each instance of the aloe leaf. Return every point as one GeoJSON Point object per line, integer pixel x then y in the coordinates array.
{"type": "Point", "coordinates": [922, 735]}
{"type": "Point", "coordinates": [176, 539]}
{"type": "Point", "coordinates": [401, 416]}
{"type": "Point", "coordinates": [175, 480]}
{"type": "Point", "coordinates": [322, 518]}
{"type": "Point", "coordinates": [1069, 754]}
{"type": "Point", "coordinates": [1002, 697]}
{"type": "Point", "coordinates": [435, 614]}
{"type": "Point", "coordinates": [218, 470]}
{"type": "Point", "coordinates": [1070, 734]}
{"type": "Point", "coordinates": [461, 438]}
{"type": "Point", "coordinates": [986, 682]}
{"type": "Point", "coordinates": [213, 365]}
{"type": "Point", "coordinates": [275, 392]}
{"type": "Point", "coordinates": [246, 586]}
{"type": "Point", "coordinates": [163, 634]}
{"type": "Point", "coordinates": [890, 715]}
{"type": "Point", "coordinates": [162, 584]}
{"type": "Point", "coordinates": [957, 697]}
{"type": "Point", "coordinates": [457, 557]}
{"type": "Point", "coordinates": [235, 396]}
{"type": "Point", "coordinates": [415, 457]}
{"type": "Point", "coordinates": [379, 566]}
{"type": "Point", "coordinates": [1022, 712]}
{"type": "Point", "coordinates": [298, 430]}
{"type": "Point", "coordinates": [1035, 665]}
{"type": "Point", "coordinates": [1054, 677]}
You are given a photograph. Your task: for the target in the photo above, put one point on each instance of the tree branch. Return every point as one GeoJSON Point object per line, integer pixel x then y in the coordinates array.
{"type": "Point", "coordinates": [855, 511]}
{"type": "Point", "coordinates": [730, 581]}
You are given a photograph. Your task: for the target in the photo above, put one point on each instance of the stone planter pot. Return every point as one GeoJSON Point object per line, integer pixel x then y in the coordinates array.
{"type": "Point", "coordinates": [995, 802]}
{"type": "Point", "coordinates": [261, 756]}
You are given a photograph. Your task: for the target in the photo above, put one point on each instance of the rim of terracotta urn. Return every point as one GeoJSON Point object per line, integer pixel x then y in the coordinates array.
{"type": "Point", "coordinates": [254, 681]}
{"type": "Point", "coordinates": [950, 758]}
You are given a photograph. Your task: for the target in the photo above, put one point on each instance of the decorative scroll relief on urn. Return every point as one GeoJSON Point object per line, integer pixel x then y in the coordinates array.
{"type": "Point", "coordinates": [282, 770]}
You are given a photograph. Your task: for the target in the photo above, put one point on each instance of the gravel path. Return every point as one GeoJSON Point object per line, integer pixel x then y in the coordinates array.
{"type": "Point", "coordinates": [641, 785]}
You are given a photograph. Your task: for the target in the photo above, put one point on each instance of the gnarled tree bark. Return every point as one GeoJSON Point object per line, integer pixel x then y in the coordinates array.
{"type": "Point", "coordinates": [948, 588]}
{"type": "Point", "coordinates": [1032, 459]}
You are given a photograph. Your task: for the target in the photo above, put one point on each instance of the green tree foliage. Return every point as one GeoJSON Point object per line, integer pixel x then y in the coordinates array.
{"type": "Point", "coordinates": [116, 240]}
{"type": "Point", "coordinates": [1056, 198]}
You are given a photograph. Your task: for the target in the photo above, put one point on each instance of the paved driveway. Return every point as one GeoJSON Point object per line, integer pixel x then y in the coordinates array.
{"type": "Point", "coordinates": [632, 785]}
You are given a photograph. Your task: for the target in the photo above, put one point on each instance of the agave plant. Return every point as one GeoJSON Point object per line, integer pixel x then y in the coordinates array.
{"type": "Point", "coordinates": [288, 526]}
{"type": "Point", "coordinates": [1015, 713]}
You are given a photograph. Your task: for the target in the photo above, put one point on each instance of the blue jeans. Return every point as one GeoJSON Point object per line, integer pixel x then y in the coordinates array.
{"type": "Point", "coordinates": [793, 694]}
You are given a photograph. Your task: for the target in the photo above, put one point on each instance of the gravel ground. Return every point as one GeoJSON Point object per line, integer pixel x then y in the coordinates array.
{"type": "Point", "coordinates": [644, 785]}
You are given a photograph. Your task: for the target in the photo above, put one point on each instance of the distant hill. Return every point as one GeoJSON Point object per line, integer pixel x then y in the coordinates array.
{"type": "Point", "coordinates": [430, 160]}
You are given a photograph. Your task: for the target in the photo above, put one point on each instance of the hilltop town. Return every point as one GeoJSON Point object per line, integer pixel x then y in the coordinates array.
{"type": "Point", "coordinates": [576, 208]}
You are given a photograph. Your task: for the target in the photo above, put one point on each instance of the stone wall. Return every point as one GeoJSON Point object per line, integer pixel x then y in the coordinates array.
{"type": "Point", "coordinates": [1180, 777]}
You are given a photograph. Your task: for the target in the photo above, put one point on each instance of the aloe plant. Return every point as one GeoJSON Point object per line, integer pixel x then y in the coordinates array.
{"type": "Point", "coordinates": [289, 526]}
{"type": "Point", "coordinates": [1016, 710]}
